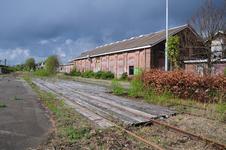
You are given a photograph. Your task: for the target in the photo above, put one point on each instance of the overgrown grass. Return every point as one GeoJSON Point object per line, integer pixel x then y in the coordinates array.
{"type": "Point", "coordinates": [117, 88]}
{"type": "Point", "coordinates": [41, 72]}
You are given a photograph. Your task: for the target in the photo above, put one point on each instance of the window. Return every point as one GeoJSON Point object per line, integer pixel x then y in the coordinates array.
{"type": "Point", "coordinates": [131, 70]}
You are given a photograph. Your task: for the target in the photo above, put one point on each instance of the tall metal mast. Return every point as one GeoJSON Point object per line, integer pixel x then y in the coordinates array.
{"type": "Point", "coordinates": [166, 59]}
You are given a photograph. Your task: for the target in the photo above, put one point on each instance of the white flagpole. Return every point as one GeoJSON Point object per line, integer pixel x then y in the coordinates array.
{"type": "Point", "coordinates": [166, 59]}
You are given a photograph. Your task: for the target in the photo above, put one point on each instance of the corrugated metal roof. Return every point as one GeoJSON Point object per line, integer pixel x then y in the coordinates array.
{"type": "Point", "coordinates": [132, 44]}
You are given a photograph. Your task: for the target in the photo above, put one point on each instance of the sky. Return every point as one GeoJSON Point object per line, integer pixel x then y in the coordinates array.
{"type": "Point", "coordinates": [40, 28]}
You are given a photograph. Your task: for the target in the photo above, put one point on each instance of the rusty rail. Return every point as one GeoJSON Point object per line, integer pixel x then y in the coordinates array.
{"type": "Point", "coordinates": [174, 129]}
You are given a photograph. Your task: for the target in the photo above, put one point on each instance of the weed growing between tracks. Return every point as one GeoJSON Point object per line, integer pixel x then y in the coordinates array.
{"type": "Point", "coordinates": [73, 130]}
{"type": "Point", "coordinates": [209, 121]}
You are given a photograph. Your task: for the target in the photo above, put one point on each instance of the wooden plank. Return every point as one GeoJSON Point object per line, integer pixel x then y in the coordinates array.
{"type": "Point", "coordinates": [99, 121]}
{"type": "Point", "coordinates": [100, 108]}
{"type": "Point", "coordinates": [148, 108]}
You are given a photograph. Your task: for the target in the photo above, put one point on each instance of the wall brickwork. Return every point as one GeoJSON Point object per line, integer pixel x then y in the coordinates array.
{"type": "Point", "coordinates": [117, 63]}
{"type": "Point", "coordinates": [200, 68]}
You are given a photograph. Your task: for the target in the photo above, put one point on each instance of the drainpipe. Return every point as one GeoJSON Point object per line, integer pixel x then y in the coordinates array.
{"type": "Point", "coordinates": [145, 59]}
{"type": "Point", "coordinates": [123, 62]}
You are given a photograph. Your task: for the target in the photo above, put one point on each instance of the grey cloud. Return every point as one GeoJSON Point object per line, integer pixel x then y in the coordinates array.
{"type": "Point", "coordinates": [25, 23]}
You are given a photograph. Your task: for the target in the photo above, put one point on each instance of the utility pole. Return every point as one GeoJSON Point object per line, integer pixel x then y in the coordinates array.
{"type": "Point", "coordinates": [166, 53]}
{"type": "Point", "coordinates": [5, 62]}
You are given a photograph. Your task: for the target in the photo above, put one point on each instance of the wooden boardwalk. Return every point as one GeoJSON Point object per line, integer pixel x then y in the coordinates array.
{"type": "Point", "coordinates": [75, 90]}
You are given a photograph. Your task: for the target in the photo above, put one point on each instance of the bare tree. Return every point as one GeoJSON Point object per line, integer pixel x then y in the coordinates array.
{"type": "Point", "coordinates": [208, 22]}
{"type": "Point", "coordinates": [59, 58]}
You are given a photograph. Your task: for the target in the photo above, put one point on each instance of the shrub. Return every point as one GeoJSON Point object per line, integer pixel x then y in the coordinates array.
{"type": "Point", "coordinates": [87, 74]}
{"type": "Point", "coordinates": [124, 76]}
{"type": "Point", "coordinates": [26, 69]}
{"type": "Point", "coordinates": [41, 72]}
{"type": "Point", "coordinates": [77, 73]}
{"type": "Point", "coordinates": [107, 75]}
{"type": "Point", "coordinates": [186, 85]}
{"type": "Point", "coordinates": [98, 74]}
{"type": "Point", "coordinates": [136, 87]}
{"type": "Point", "coordinates": [117, 88]}
{"type": "Point", "coordinates": [73, 71]}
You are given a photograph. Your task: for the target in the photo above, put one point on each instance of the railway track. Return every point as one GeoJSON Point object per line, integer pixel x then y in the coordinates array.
{"type": "Point", "coordinates": [213, 143]}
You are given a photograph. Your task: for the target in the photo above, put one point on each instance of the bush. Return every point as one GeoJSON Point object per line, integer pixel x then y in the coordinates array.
{"type": "Point", "coordinates": [124, 76]}
{"type": "Point", "coordinates": [136, 87]}
{"type": "Point", "coordinates": [117, 88]}
{"type": "Point", "coordinates": [73, 71]}
{"type": "Point", "coordinates": [77, 73]}
{"type": "Point", "coordinates": [107, 75]}
{"type": "Point", "coordinates": [98, 74]}
{"type": "Point", "coordinates": [41, 72]}
{"type": "Point", "coordinates": [186, 85]}
{"type": "Point", "coordinates": [26, 69]}
{"type": "Point", "coordinates": [87, 74]}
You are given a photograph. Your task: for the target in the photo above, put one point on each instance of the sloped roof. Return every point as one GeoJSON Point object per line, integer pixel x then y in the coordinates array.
{"type": "Point", "coordinates": [143, 41]}
{"type": "Point", "coordinates": [69, 63]}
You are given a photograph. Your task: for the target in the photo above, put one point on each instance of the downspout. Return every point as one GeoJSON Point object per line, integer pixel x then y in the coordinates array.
{"type": "Point", "coordinates": [106, 62]}
{"type": "Point", "coordinates": [123, 62]}
{"type": "Point", "coordinates": [144, 58]}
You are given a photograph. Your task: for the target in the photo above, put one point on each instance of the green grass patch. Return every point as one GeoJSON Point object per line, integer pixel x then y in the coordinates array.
{"type": "Point", "coordinates": [117, 88]}
{"type": "Point", "coordinates": [41, 72]}
{"type": "Point", "coordinates": [3, 105]}
{"type": "Point", "coordinates": [16, 98]}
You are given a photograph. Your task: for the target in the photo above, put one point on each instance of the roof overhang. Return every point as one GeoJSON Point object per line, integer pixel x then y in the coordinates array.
{"type": "Point", "coordinates": [203, 61]}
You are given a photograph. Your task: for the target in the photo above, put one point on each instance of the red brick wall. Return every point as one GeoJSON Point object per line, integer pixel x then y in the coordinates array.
{"type": "Point", "coordinates": [118, 63]}
{"type": "Point", "coordinates": [200, 68]}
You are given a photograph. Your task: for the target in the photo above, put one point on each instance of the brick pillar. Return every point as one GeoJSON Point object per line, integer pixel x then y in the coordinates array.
{"type": "Point", "coordinates": [116, 65]}
{"type": "Point", "coordinates": [125, 62]}
{"type": "Point", "coordinates": [107, 63]}
{"type": "Point", "coordinates": [148, 58]}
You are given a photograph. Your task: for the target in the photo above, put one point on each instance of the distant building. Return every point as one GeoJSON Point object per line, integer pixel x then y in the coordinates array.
{"type": "Point", "coordinates": [218, 47]}
{"type": "Point", "coordinates": [68, 66]}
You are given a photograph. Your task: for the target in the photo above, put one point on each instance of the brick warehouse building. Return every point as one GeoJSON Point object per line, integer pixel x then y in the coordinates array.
{"type": "Point", "coordinates": [143, 52]}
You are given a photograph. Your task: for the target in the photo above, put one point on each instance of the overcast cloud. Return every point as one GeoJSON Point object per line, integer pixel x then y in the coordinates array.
{"type": "Point", "coordinates": [40, 28]}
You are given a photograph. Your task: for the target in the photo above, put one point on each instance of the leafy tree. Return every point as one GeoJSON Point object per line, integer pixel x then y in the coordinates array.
{"type": "Point", "coordinates": [39, 63]}
{"type": "Point", "coordinates": [52, 64]}
{"type": "Point", "coordinates": [30, 63]}
{"type": "Point", "coordinates": [173, 50]}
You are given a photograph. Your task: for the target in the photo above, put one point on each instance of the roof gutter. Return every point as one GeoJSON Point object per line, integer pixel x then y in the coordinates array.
{"type": "Point", "coordinates": [129, 49]}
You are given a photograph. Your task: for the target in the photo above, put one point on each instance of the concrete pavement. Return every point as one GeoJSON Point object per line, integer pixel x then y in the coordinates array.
{"type": "Point", "coordinates": [23, 123]}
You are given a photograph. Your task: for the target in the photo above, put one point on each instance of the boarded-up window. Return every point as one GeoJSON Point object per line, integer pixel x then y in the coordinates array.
{"type": "Point", "coordinates": [219, 68]}
{"type": "Point", "coordinates": [120, 68]}
{"type": "Point", "coordinates": [131, 61]}
{"type": "Point", "coordinates": [104, 65]}
{"type": "Point", "coordinates": [112, 66]}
